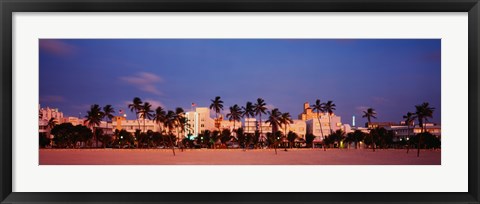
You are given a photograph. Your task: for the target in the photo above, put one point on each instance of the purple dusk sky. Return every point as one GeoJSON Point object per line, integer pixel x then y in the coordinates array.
{"type": "Point", "coordinates": [391, 76]}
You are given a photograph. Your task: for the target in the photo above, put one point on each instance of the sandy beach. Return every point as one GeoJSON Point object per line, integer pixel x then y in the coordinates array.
{"type": "Point", "coordinates": [237, 157]}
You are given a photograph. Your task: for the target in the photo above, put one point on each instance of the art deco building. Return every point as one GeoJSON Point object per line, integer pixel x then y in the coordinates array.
{"type": "Point", "coordinates": [322, 125]}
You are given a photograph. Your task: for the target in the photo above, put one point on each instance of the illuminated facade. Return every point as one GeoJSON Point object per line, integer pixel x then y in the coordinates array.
{"type": "Point", "coordinates": [402, 132]}
{"type": "Point", "coordinates": [308, 113]}
{"type": "Point", "coordinates": [199, 121]}
{"type": "Point", "coordinates": [298, 126]}
{"type": "Point", "coordinates": [49, 113]}
{"type": "Point", "coordinates": [120, 122]}
{"type": "Point", "coordinates": [313, 126]}
{"type": "Point", "coordinates": [45, 114]}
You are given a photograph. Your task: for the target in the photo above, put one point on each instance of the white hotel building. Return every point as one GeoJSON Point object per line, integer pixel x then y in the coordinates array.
{"type": "Point", "coordinates": [199, 121]}
{"type": "Point", "coordinates": [299, 127]}
{"type": "Point", "coordinates": [323, 124]}
{"type": "Point", "coordinates": [401, 132]}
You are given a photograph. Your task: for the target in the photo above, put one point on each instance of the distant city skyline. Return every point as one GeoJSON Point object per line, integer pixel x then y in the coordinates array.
{"type": "Point", "coordinates": [391, 76]}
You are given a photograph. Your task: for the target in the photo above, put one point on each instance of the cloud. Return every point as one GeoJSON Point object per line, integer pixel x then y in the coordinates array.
{"type": "Point", "coordinates": [155, 103]}
{"type": "Point", "coordinates": [56, 47]}
{"type": "Point", "coordinates": [52, 98]}
{"type": "Point", "coordinates": [144, 81]}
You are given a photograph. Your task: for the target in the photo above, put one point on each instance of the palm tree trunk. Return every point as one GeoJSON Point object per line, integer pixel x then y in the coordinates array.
{"type": "Point", "coordinates": [136, 115]}
{"type": "Point", "coordinates": [373, 144]}
{"type": "Point", "coordinates": [96, 137]}
{"type": "Point", "coordinates": [103, 143]}
{"type": "Point", "coordinates": [329, 124]}
{"type": "Point", "coordinates": [275, 147]}
{"type": "Point", "coordinates": [419, 141]}
{"type": "Point", "coordinates": [178, 139]}
{"type": "Point", "coordinates": [245, 141]}
{"type": "Point", "coordinates": [321, 130]}
{"type": "Point", "coordinates": [217, 122]}
{"type": "Point", "coordinates": [408, 136]}
{"type": "Point", "coordinates": [171, 142]}
{"type": "Point", "coordinates": [260, 126]}
{"type": "Point", "coordinates": [373, 140]}
{"type": "Point", "coordinates": [247, 124]}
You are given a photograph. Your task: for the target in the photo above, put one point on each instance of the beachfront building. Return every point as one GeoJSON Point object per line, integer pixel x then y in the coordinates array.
{"type": "Point", "coordinates": [44, 116]}
{"type": "Point", "coordinates": [199, 121]}
{"type": "Point", "coordinates": [324, 126]}
{"type": "Point", "coordinates": [362, 129]}
{"type": "Point", "coordinates": [401, 132]}
{"type": "Point", "coordinates": [121, 122]}
{"type": "Point", "coordinates": [74, 120]}
{"type": "Point", "coordinates": [308, 113]}
{"type": "Point", "coordinates": [328, 122]}
{"type": "Point", "coordinates": [42, 126]}
{"type": "Point", "coordinates": [230, 125]}
{"type": "Point", "coordinates": [49, 113]}
{"type": "Point", "coordinates": [250, 125]}
{"type": "Point", "coordinates": [373, 125]}
{"type": "Point", "coordinates": [299, 127]}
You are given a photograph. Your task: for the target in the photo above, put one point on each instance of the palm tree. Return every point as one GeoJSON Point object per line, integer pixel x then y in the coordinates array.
{"type": "Point", "coordinates": [337, 137]}
{"type": "Point", "coordinates": [136, 106]}
{"type": "Point", "coordinates": [423, 112]}
{"type": "Point", "coordinates": [329, 107]}
{"type": "Point", "coordinates": [248, 112]}
{"type": "Point", "coordinates": [369, 114]}
{"type": "Point", "coordinates": [235, 114]}
{"type": "Point", "coordinates": [274, 119]}
{"type": "Point", "coordinates": [160, 117]}
{"type": "Point", "coordinates": [286, 119]}
{"type": "Point", "coordinates": [291, 136]}
{"type": "Point", "coordinates": [409, 118]}
{"type": "Point", "coordinates": [146, 112]}
{"type": "Point", "coordinates": [180, 121]}
{"type": "Point", "coordinates": [50, 125]}
{"type": "Point", "coordinates": [259, 108]}
{"type": "Point", "coordinates": [217, 106]}
{"type": "Point", "coordinates": [108, 113]}
{"type": "Point", "coordinates": [358, 136]}
{"type": "Point", "coordinates": [94, 117]}
{"type": "Point", "coordinates": [169, 123]}
{"type": "Point", "coordinates": [319, 108]}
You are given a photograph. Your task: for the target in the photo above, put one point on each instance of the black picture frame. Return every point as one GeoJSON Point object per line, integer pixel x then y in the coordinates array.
{"type": "Point", "coordinates": [7, 8]}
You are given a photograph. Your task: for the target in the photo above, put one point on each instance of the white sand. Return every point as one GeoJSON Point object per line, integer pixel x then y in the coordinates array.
{"type": "Point", "coordinates": [237, 157]}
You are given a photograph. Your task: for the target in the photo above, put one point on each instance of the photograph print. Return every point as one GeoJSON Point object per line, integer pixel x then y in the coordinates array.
{"type": "Point", "coordinates": [239, 102]}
